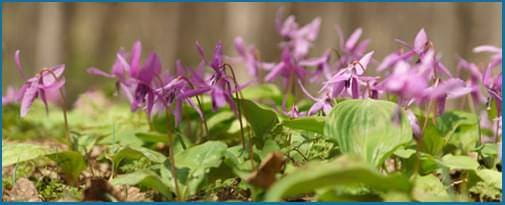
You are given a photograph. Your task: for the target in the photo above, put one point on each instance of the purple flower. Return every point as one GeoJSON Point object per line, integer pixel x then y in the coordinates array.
{"type": "Point", "coordinates": [294, 113]}
{"type": "Point", "coordinates": [496, 58]}
{"type": "Point", "coordinates": [12, 96]}
{"type": "Point", "coordinates": [286, 68]}
{"type": "Point", "coordinates": [144, 91]}
{"type": "Point", "coordinates": [405, 82]}
{"type": "Point", "coordinates": [422, 48]}
{"type": "Point", "coordinates": [175, 93]}
{"type": "Point", "coordinates": [474, 81]}
{"type": "Point", "coordinates": [349, 77]}
{"type": "Point", "coordinates": [219, 84]}
{"type": "Point", "coordinates": [448, 89]}
{"type": "Point", "coordinates": [297, 39]}
{"type": "Point", "coordinates": [46, 81]}
{"type": "Point", "coordinates": [248, 56]}
{"type": "Point", "coordinates": [134, 78]}
{"type": "Point", "coordinates": [351, 48]}
{"type": "Point", "coordinates": [492, 84]}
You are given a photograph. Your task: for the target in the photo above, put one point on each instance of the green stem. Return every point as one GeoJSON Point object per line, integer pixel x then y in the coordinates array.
{"type": "Point", "coordinates": [171, 157]}
{"type": "Point", "coordinates": [237, 96]}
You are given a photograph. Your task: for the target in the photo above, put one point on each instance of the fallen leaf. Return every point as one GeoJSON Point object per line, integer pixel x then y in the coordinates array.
{"type": "Point", "coordinates": [100, 189]}
{"type": "Point", "coordinates": [264, 177]}
{"type": "Point", "coordinates": [24, 190]}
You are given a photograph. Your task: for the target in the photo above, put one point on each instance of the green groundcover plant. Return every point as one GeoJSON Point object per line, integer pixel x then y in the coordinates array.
{"type": "Point", "coordinates": [404, 128]}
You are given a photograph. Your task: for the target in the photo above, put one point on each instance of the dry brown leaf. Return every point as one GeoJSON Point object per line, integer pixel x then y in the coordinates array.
{"type": "Point", "coordinates": [99, 189]}
{"type": "Point", "coordinates": [264, 177]}
{"type": "Point", "coordinates": [24, 190]}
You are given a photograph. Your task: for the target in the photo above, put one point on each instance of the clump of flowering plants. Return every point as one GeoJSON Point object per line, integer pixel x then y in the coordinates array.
{"type": "Point", "coordinates": [343, 125]}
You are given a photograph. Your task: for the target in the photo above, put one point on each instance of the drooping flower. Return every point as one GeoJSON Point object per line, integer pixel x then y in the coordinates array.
{"type": "Point", "coordinates": [219, 83]}
{"type": "Point", "coordinates": [175, 93]}
{"type": "Point", "coordinates": [294, 112]}
{"type": "Point", "coordinates": [496, 58]}
{"type": "Point", "coordinates": [405, 82]}
{"type": "Point", "coordinates": [423, 50]}
{"type": "Point", "coordinates": [347, 78]}
{"type": "Point", "coordinates": [135, 78]}
{"type": "Point", "coordinates": [351, 48]}
{"type": "Point", "coordinates": [474, 80]}
{"type": "Point", "coordinates": [286, 68]}
{"type": "Point", "coordinates": [448, 89]}
{"type": "Point", "coordinates": [45, 81]}
{"type": "Point", "coordinates": [248, 55]}
{"type": "Point", "coordinates": [12, 96]}
{"type": "Point", "coordinates": [493, 84]}
{"type": "Point", "coordinates": [122, 70]}
{"type": "Point", "coordinates": [298, 40]}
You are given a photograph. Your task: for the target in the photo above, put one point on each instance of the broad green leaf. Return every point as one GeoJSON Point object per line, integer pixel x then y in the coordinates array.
{"type": "Point", "coordinates": [433, 140]}
{"type": "Point", "coordinates": [85, 143]}
{"type": "Point", "coordinates": [459, 162]}
{"type": "Point", "coordinates": [261, 119]}
{"type": "Point", "coordinates": [194, 163]}
{"type": "Point", "coordinates": [492, 177]}
{"type": "Point", "coordinates": [311, 124]}
{"type": "Point", "coordinates": [489, 150]}
{"type": "Point", "coordinates": [133, 152]}
{"type": "Point", "coordinates": [219, 118]}
{"type": "Point", "coordinates": [72, 163]}
{"type": "Point", "coordinates": [348, 194]}
{"type": "Point", "coordinates": [429, 189]}
{"type": "Point", "coordinates": [344, 171]}
{"type": "Point", "coordinates": [152, 137]}
{"type": "Point", "coordinates": [263, 91]}
{"type": "Point", "coordinates": [366, 128]}
{"type": "Point", "coordinates": [144, 178]}
{"type": "Point", "coordinates": [460, 129]}
{"type": "Point", "coordinates": [16, 153]}
{"type": "Point", "coordinates": [125, 137]}
{"type": "Point", "coordinates": [405, 153]}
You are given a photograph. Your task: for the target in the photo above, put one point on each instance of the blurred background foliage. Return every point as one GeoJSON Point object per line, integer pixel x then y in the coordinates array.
{"type": "Point", "coordinates": [82, 35]}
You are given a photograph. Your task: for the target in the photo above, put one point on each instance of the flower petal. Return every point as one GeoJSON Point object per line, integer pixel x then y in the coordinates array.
{"type": "Point", "coordinates": [29, 96]}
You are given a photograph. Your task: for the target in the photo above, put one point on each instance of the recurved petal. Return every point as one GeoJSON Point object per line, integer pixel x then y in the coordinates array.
{"type": "Point", "coordinates": [353, 39]}
{"type": "Point", "coordinates": [29, 96]}
{"type": "Point", "coordinates": [420, 41]}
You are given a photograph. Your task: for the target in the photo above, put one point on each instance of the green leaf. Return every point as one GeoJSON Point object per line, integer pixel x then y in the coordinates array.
{"type": "Point", "coordinates": [133, 152]}
{"type": "Point", "coordinates": [262, 91]}
{"type": "Point", "coordinates": [261, 119]}
{"type": "Point", "coordinates": [311, 124]}
{"type": "Point", "coordinates": [492, 177]}
{"type": "Point", "coordinates": [218, 118]}
{"type": "Point", "coordinates": [152, 137]}
{"type": "Point", "coordinates": [365, 128]}
{"type": "Point", "coordinates": [405, 153]}
{"type": "Point", "coordinates": [194, 164]}
{"type": "Point", "coordinates": [344, 171]}
{"type": "Point", "coordinates": [459, 162]}
{"type": "Point", "coordinates": [429, 189]}
{"type": "Point", "coordinates": [144, 178]}
{"type": "Point", "coordinates": [16, 153]}
{"type": "Point", "coordinates": [72, 163]}
{"type": "Point", "coordinates": [460, 129]}
{"type": "Point", "coordinates": [433, 140]}
{"type": "Point", "coordinates": [85, 143]}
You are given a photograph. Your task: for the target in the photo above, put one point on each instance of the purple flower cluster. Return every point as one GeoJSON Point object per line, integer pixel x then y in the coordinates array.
{"type": "Point", "coordinates": [414, 74]}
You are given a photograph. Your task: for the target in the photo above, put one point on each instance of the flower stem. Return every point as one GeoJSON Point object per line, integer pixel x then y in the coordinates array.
{"type": "Point", "coordinates": [63, 106]}
{"type": "Point", "coordinates": [64, 109]}
{"type": "Point", "coordinates": [171, 157]}
{"type": "Point", "coordinates": [199, 102]}
{"type": "Point", "coordinates": [237, 91]}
